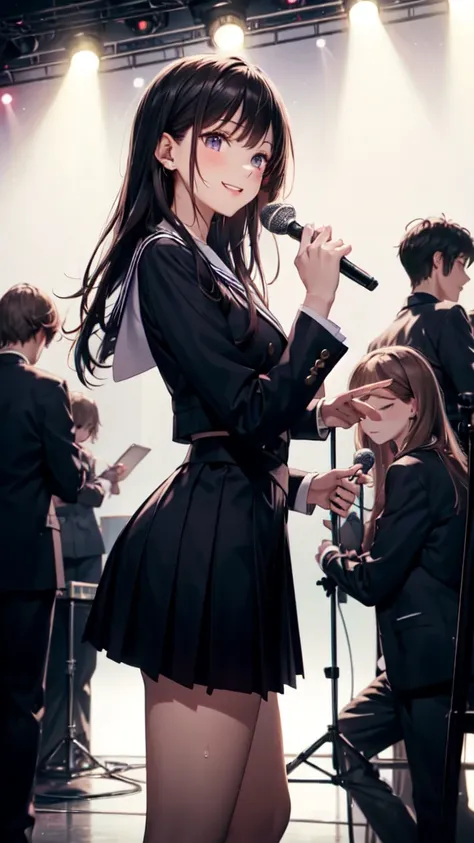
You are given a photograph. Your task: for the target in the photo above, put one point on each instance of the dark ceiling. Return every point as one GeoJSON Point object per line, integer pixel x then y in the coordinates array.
{"type": "Point", "coordinates": [35, 34]}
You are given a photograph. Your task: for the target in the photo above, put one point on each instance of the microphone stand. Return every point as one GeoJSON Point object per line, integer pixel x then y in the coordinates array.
{"type": "Point", "coordinates": [461, 721]}
{"type": "Point", "coordinates": [341, 748]}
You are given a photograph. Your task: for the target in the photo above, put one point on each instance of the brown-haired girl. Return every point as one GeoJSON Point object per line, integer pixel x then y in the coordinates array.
{"type": "Point", "coordinates": [411, 573]}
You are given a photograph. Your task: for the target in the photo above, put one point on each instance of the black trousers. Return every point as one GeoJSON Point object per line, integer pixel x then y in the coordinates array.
{"type": "Point", "coordinates": [87, 569]}
{"type": "Point", "coordinates": [378, 719]}
{"type": "Point", "coordinates": [25, 626]}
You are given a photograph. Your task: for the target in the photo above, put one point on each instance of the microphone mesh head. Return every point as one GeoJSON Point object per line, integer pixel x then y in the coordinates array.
{"type": "Point", "coordinates": [366, 458]}
{"type": "Point", "coordinates": [276, 217]}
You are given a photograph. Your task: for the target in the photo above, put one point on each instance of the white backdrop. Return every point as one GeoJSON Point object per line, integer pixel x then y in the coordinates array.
{"type": "Point", "coordinates": [383, 126]}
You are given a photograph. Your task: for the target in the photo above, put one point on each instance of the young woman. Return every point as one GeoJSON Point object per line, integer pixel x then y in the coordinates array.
{"type": "Point", "coordinates": [198, 589]}
{"type": "Point", "coordinates": [411, 573]}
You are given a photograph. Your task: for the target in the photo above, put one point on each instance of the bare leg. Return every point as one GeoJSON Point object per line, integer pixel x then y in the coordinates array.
{"type": "Point", "coordinates": [197, 746]}
{"type": "Point", "coordinates": [263, 806]}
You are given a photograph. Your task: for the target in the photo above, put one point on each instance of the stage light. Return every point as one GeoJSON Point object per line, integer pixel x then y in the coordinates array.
{"type": "Point", "coordinates": [363, 11]}
{"type": "Point", "coordinates": [138, 82]}
{"type": "Point", "coordinates": [224, 20]}
{"type": "Point", "coordinates": [17, 47]}
{"type": "Point", "coordinates": [297, 5]}
{"type": "Point", "coordinates": [85, 53]}
{"type": "Point", "coordinates": [227, 33]}
{"type": "Point", "coordinates": [7, 99]}
{"type": "Point", "coordinates": [321, 43]}
{"type": "Point", "coordinates": [148, 25]}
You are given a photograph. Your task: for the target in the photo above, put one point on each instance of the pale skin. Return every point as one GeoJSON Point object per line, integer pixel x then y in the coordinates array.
{"type": "Point", "coordinates": [228, 176]}
{"type": "Point", "coordinates": [445, 287]}
{"type": "Point", "coordinates": [393, 425]}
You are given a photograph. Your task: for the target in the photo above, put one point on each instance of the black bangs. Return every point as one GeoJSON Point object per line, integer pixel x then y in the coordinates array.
{"type": "Point", "coordinates": [249, 97]}
{"type": "Point", "coordinates": [233, 88]}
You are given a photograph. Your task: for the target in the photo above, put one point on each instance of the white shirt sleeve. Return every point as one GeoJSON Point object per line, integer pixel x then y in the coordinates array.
{"type": "Point", "coordinates": [106, 484]}
{"type": "Point", "coordinates": [323, 431]}
{"type": "Point", "coordinates": [329, 549]}
{"type": "Point", "coordinates": [301, 500]}
{"type": "Point", "coordinates": [331, 327]}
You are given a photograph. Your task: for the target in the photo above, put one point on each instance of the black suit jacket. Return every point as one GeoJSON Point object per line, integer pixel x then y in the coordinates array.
{"type": "Point", "coordinates": [80, 532]}
{"type": "Point", "coordinates": [441, 331]}
{"type": "Point", "coordinates": [413, 574]}
{"type": "Point", "coordinates": [256, 390]}
{"type": "Point", "coordinates": [38, 459]}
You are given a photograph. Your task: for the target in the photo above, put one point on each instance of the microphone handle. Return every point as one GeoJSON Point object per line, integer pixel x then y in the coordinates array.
{"type": "Point", "coordinates": [349, 269]}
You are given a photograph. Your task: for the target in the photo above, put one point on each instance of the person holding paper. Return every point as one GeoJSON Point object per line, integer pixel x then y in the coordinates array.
{"type": "Point", "coordinates": [82, 548]}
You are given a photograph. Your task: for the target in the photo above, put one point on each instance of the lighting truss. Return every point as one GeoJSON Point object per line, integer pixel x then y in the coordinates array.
{"type": "Point", "coordinates": [124, 50]}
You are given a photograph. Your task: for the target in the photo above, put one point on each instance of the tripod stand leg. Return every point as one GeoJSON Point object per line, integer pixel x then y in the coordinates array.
{"type": "Point", "coordinates": [341, 765]}
{"type": "Point", "coordinates": [304, 756]}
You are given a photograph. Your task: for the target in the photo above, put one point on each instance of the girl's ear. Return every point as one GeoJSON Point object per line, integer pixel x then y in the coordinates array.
{"type": "Point", "coordinates": [164, 152]}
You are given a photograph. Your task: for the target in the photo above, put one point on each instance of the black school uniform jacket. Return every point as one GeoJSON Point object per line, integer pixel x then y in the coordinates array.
{"type": "Point", "coordinates": [442, 332]}
{"type": "Point", "coordinates": [413, 573]}
{"type": "Point", "coordinates": [39, 459]}
{"type": "Point", "coordinates": [194, 317]}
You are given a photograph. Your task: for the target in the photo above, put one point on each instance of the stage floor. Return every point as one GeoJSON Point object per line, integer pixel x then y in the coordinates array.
{"type": "Point", "coordinates": [121, 818]}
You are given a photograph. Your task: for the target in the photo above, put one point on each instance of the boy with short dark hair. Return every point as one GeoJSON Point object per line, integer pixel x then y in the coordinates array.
{"type": "Point", "coordinates": [39, 459]}
{"type": "Point", "coordinates": [436, 253]}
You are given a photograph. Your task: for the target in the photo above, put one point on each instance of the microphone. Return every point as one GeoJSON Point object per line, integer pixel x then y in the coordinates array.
{"type": "Point", "coordinates": [364, 457]}
{"type": "Point", "coordinates": [280, 219]}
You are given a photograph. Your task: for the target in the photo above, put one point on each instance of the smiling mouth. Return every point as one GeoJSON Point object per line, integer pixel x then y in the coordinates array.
{"type": "Point", "coordinates": [232, 188]}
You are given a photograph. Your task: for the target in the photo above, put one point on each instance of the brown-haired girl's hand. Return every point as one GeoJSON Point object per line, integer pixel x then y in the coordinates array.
{"type": "Point", "coordinates": [318, 264]}
{"type": "Point", "coordinates": [115, 489]}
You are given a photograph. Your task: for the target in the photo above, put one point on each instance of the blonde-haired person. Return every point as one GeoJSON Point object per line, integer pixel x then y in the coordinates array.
{"type": "Point", "coordinates": [82, 547]}
{"type": "Point", "coordinates": [410, 571]}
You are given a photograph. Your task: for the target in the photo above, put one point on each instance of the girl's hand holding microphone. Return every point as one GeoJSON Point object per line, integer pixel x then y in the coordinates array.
{"type": "Point", "coordinates": [318, 264]}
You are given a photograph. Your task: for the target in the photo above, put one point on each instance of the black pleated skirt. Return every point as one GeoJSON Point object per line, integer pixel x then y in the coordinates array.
{"type": "Point", "coordinates": [199, 587]}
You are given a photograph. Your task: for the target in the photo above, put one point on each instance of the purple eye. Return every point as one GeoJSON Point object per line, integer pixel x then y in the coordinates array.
{"type": "Point", "coordinates": [259, 160]}
{"type": "Point", "coordinates": [213, 142]}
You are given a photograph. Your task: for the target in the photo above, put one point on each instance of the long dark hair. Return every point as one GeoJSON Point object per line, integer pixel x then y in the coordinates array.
{"type": "Point", "coordinates": [192, 93]}
{"type": "Point", "coordinates": [412, 377]}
